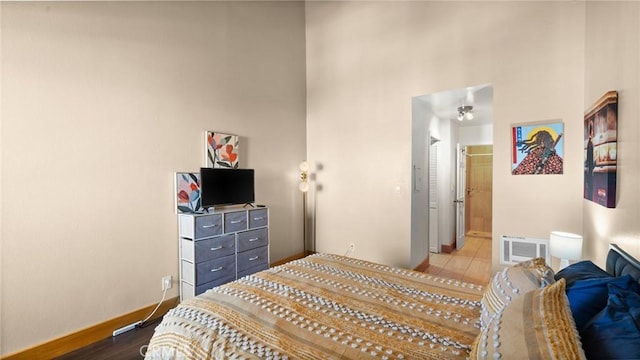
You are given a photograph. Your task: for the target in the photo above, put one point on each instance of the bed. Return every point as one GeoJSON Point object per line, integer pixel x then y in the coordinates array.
{"type": "Point", "coordinates": [333, 307]}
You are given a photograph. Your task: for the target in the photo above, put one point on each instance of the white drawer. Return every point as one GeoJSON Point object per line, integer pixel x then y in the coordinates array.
{"type": "Point", "coordinates": [187, 291]}
{"type": "Point", "coordinates": [187, 249]}
{"type": "Point", "coordinates": [188, 273]}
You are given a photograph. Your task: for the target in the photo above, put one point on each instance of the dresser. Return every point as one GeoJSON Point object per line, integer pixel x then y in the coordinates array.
{"type": "Point", "coordinates": [221, 246]}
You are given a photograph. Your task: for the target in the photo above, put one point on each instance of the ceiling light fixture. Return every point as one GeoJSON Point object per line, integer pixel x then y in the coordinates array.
{"type": "Point", "coordinates": [465, 112]}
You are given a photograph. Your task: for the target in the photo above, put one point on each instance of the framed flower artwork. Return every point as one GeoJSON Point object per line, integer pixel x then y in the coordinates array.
{"type": "Point", "coordinates": [187, 192]}
{"type": "Point", "coordinates": [221, 150]}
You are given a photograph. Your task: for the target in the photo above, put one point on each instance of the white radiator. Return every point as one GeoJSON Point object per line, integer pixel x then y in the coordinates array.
{"type": "Point", "coordinates": [514, 249]}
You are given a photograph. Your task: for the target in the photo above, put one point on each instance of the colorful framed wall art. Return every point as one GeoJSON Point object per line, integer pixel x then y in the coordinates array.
{"type": "Point", "coordinates": [221, 150]}
{"type": "Point", "coordinates": [187, 192]}
{"type": "Point", "coordinates": [537, 148]}
{"type": "Point", "coordinates": [600, 150]}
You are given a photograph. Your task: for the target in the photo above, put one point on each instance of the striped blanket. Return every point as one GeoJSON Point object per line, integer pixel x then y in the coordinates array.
{"type": "Point", "coordinates": [324, 307]}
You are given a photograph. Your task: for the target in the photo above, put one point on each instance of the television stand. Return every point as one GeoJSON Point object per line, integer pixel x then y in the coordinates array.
{"type": "Point", "coordinates": [249, 204]}
{"type": "Point", "coordinates": [221, 246]}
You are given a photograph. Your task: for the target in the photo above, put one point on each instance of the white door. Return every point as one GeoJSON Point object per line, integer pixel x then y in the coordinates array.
{"type": "Point", "coordinates": [434, 240]}
{"type": "Point", "coordinates": [461, 162]}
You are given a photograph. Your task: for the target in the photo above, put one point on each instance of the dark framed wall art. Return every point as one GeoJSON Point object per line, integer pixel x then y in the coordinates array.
{"type": "Point", "coordinates": [600, 150]}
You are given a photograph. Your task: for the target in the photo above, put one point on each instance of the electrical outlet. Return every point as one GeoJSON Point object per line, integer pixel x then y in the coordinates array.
{"type": "Point", "coordinates": [166, 283]}
{"type": "Point", "coordinates": [352, 247]}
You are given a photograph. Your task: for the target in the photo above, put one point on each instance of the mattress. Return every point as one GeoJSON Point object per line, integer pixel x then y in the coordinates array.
{"type": "Point", "coordinates": [325, 307]}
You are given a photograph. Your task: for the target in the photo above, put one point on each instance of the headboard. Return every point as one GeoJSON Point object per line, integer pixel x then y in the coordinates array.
{"type": "Point", "coordinates": [620, 263]}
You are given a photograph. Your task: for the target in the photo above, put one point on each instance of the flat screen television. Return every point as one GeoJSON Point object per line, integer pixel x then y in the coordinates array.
{"type": "Point", "coordinates": [220, 186]}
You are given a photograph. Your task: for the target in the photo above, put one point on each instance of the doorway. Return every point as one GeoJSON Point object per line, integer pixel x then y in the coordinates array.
{"type": "Point", "coordinates": [434, 202]}
{"type": "Point", "coordinates": [478, 192]}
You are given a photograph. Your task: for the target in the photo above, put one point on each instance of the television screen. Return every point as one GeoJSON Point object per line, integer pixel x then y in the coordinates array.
{"type": "Point", "coordinates": [226, 186]}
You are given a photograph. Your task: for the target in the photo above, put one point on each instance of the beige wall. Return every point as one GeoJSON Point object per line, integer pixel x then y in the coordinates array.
{"type": "Point", "coordinates": [612, 54]}
{"type": "Point", "coordinates": [1, 177]}
{"type": "Point", "coordinates": [366, 60]}
{"type": "Point", "coordinates": [101, 103]}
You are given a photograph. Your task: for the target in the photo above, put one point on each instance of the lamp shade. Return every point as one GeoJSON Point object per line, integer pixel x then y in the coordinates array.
{"type": "Point", "coordinates": [304, 173]}
{"type": "Point", "coordinates": [565, 245]}
{"type": "Point", "coordinates": [304, 186]}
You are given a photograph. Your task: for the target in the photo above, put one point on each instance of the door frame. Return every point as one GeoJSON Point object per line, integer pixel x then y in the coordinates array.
{"type": "Point", "coordinates": [433, 216]}
{"type": "Point", "coordinates": [426, 113]}
{"type": "Point", "coordinates": [460, 196]}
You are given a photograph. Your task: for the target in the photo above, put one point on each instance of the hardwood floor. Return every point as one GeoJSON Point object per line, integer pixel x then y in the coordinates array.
{"type": "Point", "coordinates": [471, 264]}
{"type": "Point", "coordinates": [130, 345]}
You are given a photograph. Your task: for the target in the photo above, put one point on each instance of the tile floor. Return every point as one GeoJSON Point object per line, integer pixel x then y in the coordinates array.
{"type": "Point", "coordinates": [471, 264]}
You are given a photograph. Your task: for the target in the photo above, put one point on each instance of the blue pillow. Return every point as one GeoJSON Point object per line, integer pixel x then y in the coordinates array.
{"type": "Point", "coordinates": [614, 333]}
{"type": "Point", "coordinates": [580, 271]}
{"type": "Point", "coordinates": [588, 297]}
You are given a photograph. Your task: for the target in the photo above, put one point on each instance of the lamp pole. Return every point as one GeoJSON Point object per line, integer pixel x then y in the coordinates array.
{"type": "Point", "coordinates": [304, 187]}
{"type": "Point", "coordinates": [304, 223]}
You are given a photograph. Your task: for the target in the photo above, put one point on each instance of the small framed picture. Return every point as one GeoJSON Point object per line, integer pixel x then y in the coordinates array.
{"type": "Point", "coordinates": [221, 150]}
{"type": "Point", "coordinates": [537, 148]}
{"type": "Point", "coordinates": [187, 197]}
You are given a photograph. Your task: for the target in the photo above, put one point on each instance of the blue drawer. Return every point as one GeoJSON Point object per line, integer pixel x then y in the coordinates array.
{"type": "Point", "coordinates": [253, 258]}
{"type": "Point", "coordinates": [258, 218]}
{"type": "Point", "coordinates": [208, 226]}
{"type": "Point", "coordinates": [214, 248]}
{"type": "Point", "coordinates": [252, 239]}
{"type": "Point", "coordinates": [235, 221]}
{"type": "Point", "coordinates": [210, 285]}
{"type": "Point", "coordinates": [215, 269]}
{"type": "Point", "coordinates": [252, 270]}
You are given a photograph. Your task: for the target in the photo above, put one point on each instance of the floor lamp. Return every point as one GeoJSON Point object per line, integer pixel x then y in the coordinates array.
{"type": "Point", "coordinates": [304, 188]}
